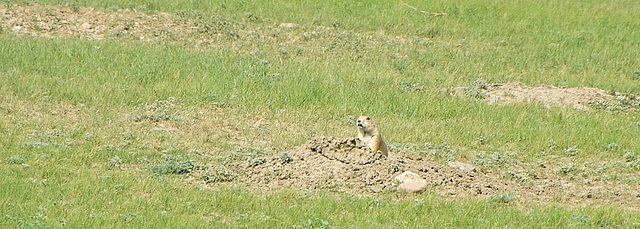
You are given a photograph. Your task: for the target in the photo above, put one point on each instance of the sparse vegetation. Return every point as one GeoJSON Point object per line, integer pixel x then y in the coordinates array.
{"type": "Point", "coordinates": [174, 167]}
{"type": "Point", "coordinates": [222, 174]}
{"type": "Point", "coordinates": [160, 110]}
{"type": "Point", "coordinates": [257, 161]}
{"type": "Point", "coordinates": [285, 158]}
{"type": "Point", "coordinates": [412, 87]}
{"type": "Point", "coordinates": [16, 159]}
{"type": "Point", "coordinates": [115, 162]}
{"type": "Point", "coordinates": [503, 198]}
{"type": "Point", "coordinates": [476, 90]}
{"type": "Point", "coordinates": [137, 113]}
{"type": "Point", "coordinates": [394, 168]}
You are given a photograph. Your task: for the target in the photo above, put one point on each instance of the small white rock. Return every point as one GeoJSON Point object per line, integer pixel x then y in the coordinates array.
{"type": "Point", "coordinates": [413, 187]}
{"type": "Point", "coordinates": [85, 25]}
{"type": "Point", "coordinates": [407, 177]}
{"type": "Point", "coordinates": [16, 29]}
{"type": "Point", "coordinates": [411, 182]}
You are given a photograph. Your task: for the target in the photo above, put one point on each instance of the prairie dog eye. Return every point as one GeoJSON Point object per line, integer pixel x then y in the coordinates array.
{"type": "Point", "coordinates": [368, 118]}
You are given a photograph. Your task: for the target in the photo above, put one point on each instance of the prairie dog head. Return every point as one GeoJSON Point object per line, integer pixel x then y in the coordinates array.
{"type": "Point", "coordinates": [366, 124]}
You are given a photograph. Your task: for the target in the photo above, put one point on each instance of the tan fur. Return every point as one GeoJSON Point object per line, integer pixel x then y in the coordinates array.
{"type": "Point", "coordinates": [369, 133]}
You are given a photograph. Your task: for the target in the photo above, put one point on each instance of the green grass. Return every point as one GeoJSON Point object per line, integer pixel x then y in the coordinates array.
{"type": "Point", "coordinates": [49, 193]}
{"type": "Point", "coordinates": [128, 74]}
{"type": "Point", "coordinates": [76, 147]}
{"type": "Point", "coordinates": [119, 200]}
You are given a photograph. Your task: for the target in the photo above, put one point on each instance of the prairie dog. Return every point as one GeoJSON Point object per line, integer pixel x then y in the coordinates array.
{"type": "Point", "coordinates": [368, 133]}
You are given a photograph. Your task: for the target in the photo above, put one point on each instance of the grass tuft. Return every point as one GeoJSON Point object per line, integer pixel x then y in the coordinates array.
{"type": "Point", "coordinates": [16, 159]}
{"type": "Point", "coordinates": [285, 158]}
{"type": "Point", "coordinates": [503, 198]}
{"type": "Point", "coordinates": [174, 167]}
{"type": "Point", "coordinates": [222, 174]}
{"type": "Point", "coordinates": [477, 89]}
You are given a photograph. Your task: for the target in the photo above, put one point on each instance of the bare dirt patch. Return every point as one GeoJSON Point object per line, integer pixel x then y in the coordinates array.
{"type": "Point", "coordinates": [345, 165]}
{"type": "Point", "coordinates": [580, 98]}
{"type": "Point", "coordinates": [84, 22]}
{"type": "Point", "coordinates": [250, 35]}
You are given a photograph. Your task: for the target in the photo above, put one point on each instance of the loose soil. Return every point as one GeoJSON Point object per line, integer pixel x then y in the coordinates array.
{"type": "Point", "coordinates": [346, 165]}
{"type": "Point", "coordinates": [250, 35]}
{"type": "Point", "coordinates": [580, 98]}
{"type": "Point", "coordinates": [60, 21]}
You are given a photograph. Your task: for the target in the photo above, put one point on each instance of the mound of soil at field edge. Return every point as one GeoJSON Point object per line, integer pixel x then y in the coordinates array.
{"type": "Point", "coordinates": [85, 22]}
{"type": "Point", "coordinates": [580, 98]}
{"type": "Point", "coordinates": [346, 165]}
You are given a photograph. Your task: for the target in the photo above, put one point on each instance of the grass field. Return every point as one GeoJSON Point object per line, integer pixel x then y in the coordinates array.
{"type": "Point", "coordinates": [89, 128]}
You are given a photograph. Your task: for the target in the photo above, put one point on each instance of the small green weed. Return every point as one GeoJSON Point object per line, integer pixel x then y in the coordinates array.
{"type": "Point", "coordinates": [255, 156]}
{"type": "Point", "coordinates": [630, 156]}
{"type": "Point", "coordinates": [503, 198]}
{"type": "Point", "coordinates": [160, 110]}
{"type": "Point", "coordinates": [581, 219]}
{"type": "Point", "coordinates": [412, 87]}
{"type": "Point", "coordinates": [477, 89]}
{"type": "Point", "coordinates": [257, 161]}
{"type": "Point", "coordinates": [567, 169]}
{"type": "Point", "coordinates": [572, 151]}
{"type": "Point", "coordinates": [174, 167]}
{"type": "Point", "coordinates": [114, 162]}
{"type": "Point", "coordinates": [394, 168]}
{"type": "Point", "coordinates": [620, 102]}
{"type": "Point", "coordinates": [611, 146]}
{"type": "Point", "coordinates": [285, 158]}
{"type": "Point", "coordinates": [35, 144]}
{"type": "Point", "coordinates": [16, 159]}
{"type": "Point", "coordinates": [222, 174]}
{"type": "Point", "coordinates": [636, 75]}
{"type": "Point", "coordinates": [314, 223]}
{"type": "Point", "coordinates": [515, 174]}
{"type": "Point", "coordinates": [495, 159]}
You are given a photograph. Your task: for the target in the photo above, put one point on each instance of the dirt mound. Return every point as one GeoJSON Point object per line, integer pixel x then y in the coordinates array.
{"type": "Point", "coordinates": [580, 98]}
{"type": "Point", "coordinates": [347, 151]}
{"type": "Point", "coordinates": [346, 165]}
